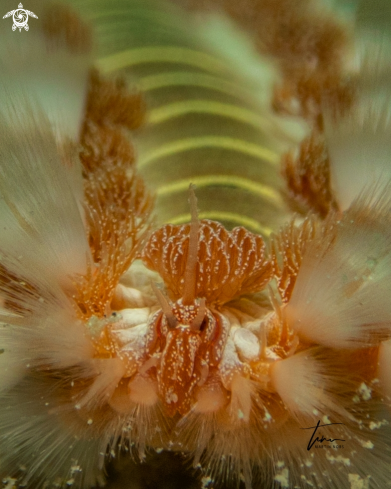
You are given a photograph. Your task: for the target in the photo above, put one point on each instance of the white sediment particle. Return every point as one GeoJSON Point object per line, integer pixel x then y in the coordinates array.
{"type": "Point", "coordinates": [366, 444]}
{"type": "Point", "coordinates": [70, 482]}
{"type": "Point", "coordinates": [356, 399]}
{"type": "Point", "coordinates": [280, 464]}
{"type": "Point", "coordinates": [308, 462]}
{"type": "Point", "coordinates": [283, 478]}
{"type": "Point", "coordinates": [365, 391]}
{"type": "Point", "coordinates": [205, 481]}
{"type": "Point", "coordinates": [356, 482]}
{"type": "Point", "coordinates": [267, 416]}
{"type": "Point", "coordinates": [75, 468]}
{"type": "Point", "coordinates": [90, 421]}
{"type": "Point", "coordinates": [375, 425]}
{"type": "Point", "coordinates": [171, 397]}
{"type": "Point", "coordinates": [315, 411]}
{"type": "Point", "coordinates": [326, 420]}
{"type": "Point", "coordinates": [338, 459]}
{"type": "Point", "coordinates": [10, 483]}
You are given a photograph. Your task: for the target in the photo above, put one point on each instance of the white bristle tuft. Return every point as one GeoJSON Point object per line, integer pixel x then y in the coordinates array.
{"type": "Point", "coordinates": [305, 386]}
{"type": "Point", "coordinates": [107, 372]}
{"type": "Point", "coordinates": [360, 145]}
{"type": "Point", "coordinates": [47, 73]}
{"type": "Point", "coordinates": [42, 228]}
{"type": "Point", "coordinates": [41, 431]}
{"type": "Point", "coordinates": [43, 245]}
{"type": "Point", "coordinates": [341, 296]}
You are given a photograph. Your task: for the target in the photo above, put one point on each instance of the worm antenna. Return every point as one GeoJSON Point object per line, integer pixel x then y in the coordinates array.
{"type": "Point", "coordinates": [166, 308]}
{"type": "Point", "coordinates": [197, 321]}
{"type": "Point", "coordinates": [190, 282]}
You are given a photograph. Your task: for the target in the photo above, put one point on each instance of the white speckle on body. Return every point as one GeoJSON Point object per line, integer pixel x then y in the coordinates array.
{"type": "Point", "coordinates": [75, 468]}
{"type": "Point", "coordinates": [308, 462]}
{"type": "Point", "coordinates": [356, 482]}
{"type": "Point", "coordinates": [10, 483]}
{"type": "Point", "coordinates": [365, 391]}
{"type": "Point", "coordinates": [366, 444]}
{"type": "Point", "coordinates": [267, 418]}
{"type": "Point", "coordinates": [339, 459]}
{"type": "Point", "coordinates": [205, 481]}
{"type": "Point", "coordinates": [375, 425]}
{"type": "Point", "coordinates": [283, 478]}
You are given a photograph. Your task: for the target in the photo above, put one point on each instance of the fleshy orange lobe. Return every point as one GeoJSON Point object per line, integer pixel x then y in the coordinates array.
{"type": "Point", "coordinates": [229, 264]}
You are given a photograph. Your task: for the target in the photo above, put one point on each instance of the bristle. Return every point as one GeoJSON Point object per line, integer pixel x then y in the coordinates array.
{"type": "Point", "coordinates": [47, 73]}
{"type": "Point", "coordinates": [39, 202]}
{"type": "Point", "coordinates": [359, 144]}
{"type": "Point", "coordinates": [107, 375]}
{"type": "Point", "coordinates": [340, 295]}
{"type": "Point", "coordinates": [306, 386]}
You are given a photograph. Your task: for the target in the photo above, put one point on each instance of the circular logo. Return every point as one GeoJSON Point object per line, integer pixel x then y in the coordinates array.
{"type": "Point", "coordinates": [20, 18]}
